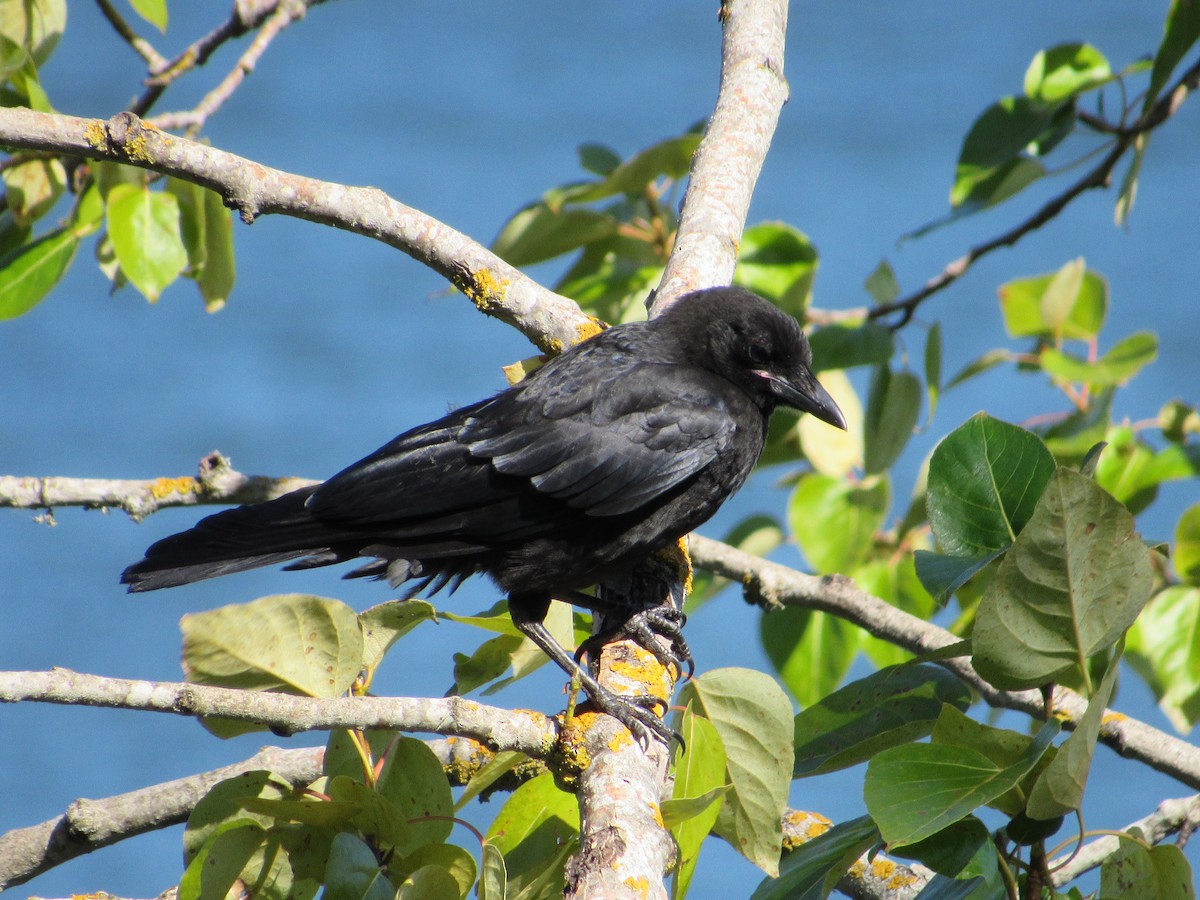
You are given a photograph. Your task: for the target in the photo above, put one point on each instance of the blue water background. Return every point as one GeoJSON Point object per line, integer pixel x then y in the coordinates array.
{"type": "Point", "coordinates": [333, 343]}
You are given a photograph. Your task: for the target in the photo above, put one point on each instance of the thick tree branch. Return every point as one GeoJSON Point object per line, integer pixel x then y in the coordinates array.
{"type": "Point", "coordinates": [500, 729]}
{"type": "Point", "coordinates": [771, 585]}
{"type": "Point", "coordinates": [1100, 176]}
{"type": "Point", "coordinates": [552, 322]}
{"type": "Point", "coordinates": [88, 825]}
{"type": "Point", "coordinates": [730, 158]}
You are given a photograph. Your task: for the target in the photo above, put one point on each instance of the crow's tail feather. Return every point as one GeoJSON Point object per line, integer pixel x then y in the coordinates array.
{"type": "Point", "coordinates": [232, 541]}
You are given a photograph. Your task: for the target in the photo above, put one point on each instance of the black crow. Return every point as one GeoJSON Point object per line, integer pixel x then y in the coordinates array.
{"type": "Point", "coordinates": [618, 447]}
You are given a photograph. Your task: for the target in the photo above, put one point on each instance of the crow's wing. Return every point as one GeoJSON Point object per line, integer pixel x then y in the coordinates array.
{"type": "Point", "coordinates": [614, 444]}
{"type": "Point", "coordinates": [602, 446]}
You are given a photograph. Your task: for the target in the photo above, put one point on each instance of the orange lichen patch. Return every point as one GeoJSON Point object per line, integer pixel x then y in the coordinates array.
{"type": "Point", "coordinates": [165, 487]}
{"type": "Point", "coordinates": [641, 886]}
{"type": "Point", "coordinates": [893, 875]}
{"type": "Point", "coordinates": [801, 827]}
{"type": "Point", "coordinates": [484, 289]}
{"type": "Point", "coordinates": [640, 666]}
{"type": "Point", "coordinates": [589, 329]}
{"type": "Point", "coordinates": [657, 813]}
{"type": "Point", "coordinates": [620, 740]}
{"type": "Point", "coordinates": [95, 135]}
{"type": "Point", "coordinates": [1113, 718]}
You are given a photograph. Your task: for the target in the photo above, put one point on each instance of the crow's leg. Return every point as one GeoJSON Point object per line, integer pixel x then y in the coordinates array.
{"type": "Point", "coordinates": [645, 627]}
{"type": "Point", "coordinates": [635, 713]}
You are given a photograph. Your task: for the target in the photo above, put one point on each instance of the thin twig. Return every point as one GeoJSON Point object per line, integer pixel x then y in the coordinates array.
{"type": "Point", "coordinates": [1099, 176]}
{"type": "Point", "coordinates": [286, 13]}
{"type": "Point", "coordinates": [141, 46]}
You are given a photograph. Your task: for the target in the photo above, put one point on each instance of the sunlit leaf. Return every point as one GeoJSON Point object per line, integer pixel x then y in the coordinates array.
{"type": "Point", "coordinates": [832, 451]}
{"type": "Point", "coordinates": [881, 284]}
{"type": "Point", "coordinates": [33, 187]}
{"type": "Point", "coordinates": [985, 479]}
{"type": "Point", "coordinates": [34, 24]}
{"type": "Point", "coordinates": [1127, 357]}
{"type": "Point", "coordinates": [145, 233]}
{"type": "Point", "coordinates": [1164, 648]}
{"type": "Point", "coordinates": [778, 262]}
{"type": "Point", "coordinates": [1180, 32]}
{"type": "Point", "coordinates": [28, 273]}
{"type": "Point", "coordinates": [754, 719]}
{"type": "Point", "coordinates": [699, 777]}
{"type": "Point", "coordinates": [835, 521]}
{"type": "Point", "coordinates": [810, 649]}
{"type": "Point", "coordinates": [153, 11]}
{"type": "Point", "coordinates": [1075, 579]}
{"type": "Point", "coordinates": [539, 232]}
{"type": "Point", "coordinates": [1075, 308]}
{"type": "Point", "coordinates": [1064, 71]}
{"type": "Point", "coordinates": [893, 408]}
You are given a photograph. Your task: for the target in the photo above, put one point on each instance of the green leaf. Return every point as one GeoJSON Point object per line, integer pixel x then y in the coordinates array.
{"type": "Point", "coordinates": [881, 284]}
{"type": "Point", "coordinates": [153, 11]}
{"type": "Point", "coordinates": [754, 719]}
{"type": "Point", "coordinates": [1065, 70]}
{"type": "Point", "coordinates": [145, 233]}
{"type": "Point", "coordinates": [379, 820]}
{"type": "Point", "coordinates": [1059, 788]}
{"type": "Point", "coordinates": [353, 872]}
{"type": "Point", "coordinates": [835, 522]}
{"type": "Point", "coordinates": [1180, 32]}
{"type": "Point", "coordinates": [495, 769]}
{"type": "Point", "coordinates": [296, 643]}
{"type": "Point", "coordinates": [984, 363]}
{"type": "Point", "coordinates": [535, 827]}
{"type": "Point", "coordinates": [1136, 870]}
{"type": "Point", "coordinates": [916, 790]}
{"type": "Point", "coordinates": [811, 870]}
{"type": "Point", "coordinates": [1074, 580]}
{"type": "Point", "coordinates": [429, 883]}
{"type": "Point", "coordinates": [892, 707]}
{"type": "Point", "coordinates": [384, 624]}
{"type": "Point", "coordinates": [1127, 357]}
{"type": "Point", "coordinates": [599, 159]}
{"type": "Point", "coordinates": [671, 158]}
{"type": "Point", "coordinates": [33, 187]}
{"type": "Point", "coordinates": [225, 804]}
{"type": "Point", "coordinates": [34, 24]}
{"type": "Point", "coordinates": [830, 450]}
{"type": "Point", "coordinates": [954, 848]}
{"type": "Point", "coordinates": [540, 232]}
{"type": "Point", "coordinates": [985, 478]}
{"type": "Point", "coordinates": [778, 262]}
{"type": "Point", "coordinates": [1186, 555]}
{"type": "Point", "coordinates": [811, 650]}
{"type": "Point", "coordinates": [217, 277]}
{"type": "Point", "coordinates": [933, 366]}
{"type": "Point", "coordinates": [219, 863]}
{"type": "Point", "coordinates": [893, 408]}
{"type": "Point", "coordinates": [493, 877]}
{"type": "Point", "coordinates": [1000, 745]}
{"type": "Point", "coordinates": [28, 273]}
{"type": "Point", "coordinates": [1070, 303]}
{"type": "Point", "coordinates": [847, 346]}
{"type": "Point", "coordinates": [413, 782]}
{"type": "Point", "coordinates": [943, 575]}
{"type": "Point", "coordinates": [699, 782]}
{"type": "Point", "coordinates": [446, 858]}
{"type": "Point", "coordinates": [1129, 184]}
{"type": "Point", "coordinates": [1164, 648]}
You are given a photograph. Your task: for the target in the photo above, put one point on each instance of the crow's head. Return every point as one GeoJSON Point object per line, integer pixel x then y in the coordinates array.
{"type": "Point", "coordinates": [756, 346]}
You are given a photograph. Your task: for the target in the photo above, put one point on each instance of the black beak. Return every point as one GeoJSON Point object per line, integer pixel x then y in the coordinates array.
{"type": "Point", "coordinates": [805, 393]}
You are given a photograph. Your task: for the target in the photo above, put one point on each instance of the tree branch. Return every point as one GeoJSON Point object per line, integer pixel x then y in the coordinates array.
{"type": "Point", "coordinates": [500, 729]}
{"type": "Point", "coordinates": [216, 483]}
{"type": "Point", "coordinates": [771, 585]}
{"type": "Point", "coordinates": [551, 321]}
{"type": "Point", "coordinates": [730, 158]}
{"type": "Point", "coordinates": [89, 825]}
{"type": "Point", "coordinates": [1098, 177]}
{"type": "Point", "coordinates": [1171, 817]}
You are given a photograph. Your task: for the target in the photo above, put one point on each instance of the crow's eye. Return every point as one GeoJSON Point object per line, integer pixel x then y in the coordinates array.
{"type": "Point", "coordinates": [757, 354]}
